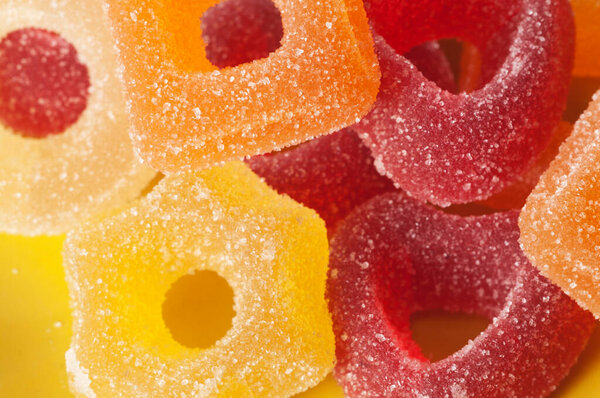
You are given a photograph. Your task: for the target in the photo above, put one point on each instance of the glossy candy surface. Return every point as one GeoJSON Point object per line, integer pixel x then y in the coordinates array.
{"type": "Point", "coordinates": [269, 249]}
{"type": "Point", "coordinates": [560, 223]}
{"type": "Point", "coordinates": [447, 148]}
{"type": "Point", "coordinates": [64, 133]}
{"type": "Point", "coordinates": [188, 118]}
{"type": "Point", "coordinates": [394, 256]}
{"type": "Point", "coordinates": [587, 15]}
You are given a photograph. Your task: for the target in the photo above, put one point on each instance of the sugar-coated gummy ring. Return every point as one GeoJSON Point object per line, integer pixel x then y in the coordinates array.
{"type": "Point", "coordinates": [394, 256]}
{"type": "Point", "coordinates": [188, 116]}
{"type": "Point", "coordinates": [59, 80]}
{"type": "Point", "coordinates": [448, 148]}
{"type": "Point", "coordinates": [273, 253]}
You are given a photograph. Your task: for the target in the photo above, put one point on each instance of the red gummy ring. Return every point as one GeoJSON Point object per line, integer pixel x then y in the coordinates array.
{"type": "Point", "coordinates": [394, 256]}
{"type": "Point", "coordinates": [448, 148]}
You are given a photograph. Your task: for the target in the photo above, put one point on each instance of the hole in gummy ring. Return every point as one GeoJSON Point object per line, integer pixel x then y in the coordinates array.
{"type": "Point", "coordinates": [465, 60]}
{"type": "Point", "coordinates": [441, 333]}
{"type": "Point", "coordinates": [44, 87]}
{"type": "Point", "coordinates": [198, 309]}
{"type": "Point", "coordinates": [241, 31]}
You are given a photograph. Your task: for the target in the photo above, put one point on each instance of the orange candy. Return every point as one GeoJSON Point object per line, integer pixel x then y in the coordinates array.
{"type": "Point", "coordinates": [587, 48]}
{"type": "Point", "coordinates": [322, 78]}
{"type": "Point", "coordinates": [132, 282]}
{"type": "Point", "coordinates": [560, 224]}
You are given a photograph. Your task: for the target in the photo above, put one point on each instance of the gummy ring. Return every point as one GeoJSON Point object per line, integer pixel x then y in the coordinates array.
{"type": "Point", "coordinates": [85, 164]}
{"type": "Point", "coordinates": [186, 118]}
{"type": "Point", "coordinates": [560, 228]}
{"type": "Point", "coordinates": [394, 256]}
{"type": "Point", "coordinates": [447, 148]}
{"type": "Point", "coordinates": [272, 251]}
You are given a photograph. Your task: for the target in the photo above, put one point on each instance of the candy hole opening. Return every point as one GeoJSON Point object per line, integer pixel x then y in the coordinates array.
{"type": "Point", "coordinates": [440, 333]}
{"type": "Point", "coordinates": [44, 87]}
{"type": "Point", "coordinates": [241, 31]}
{"type": "Point", "coordinates": [198, 309]}
{"type": "Point", "coordinates": [466, 62]}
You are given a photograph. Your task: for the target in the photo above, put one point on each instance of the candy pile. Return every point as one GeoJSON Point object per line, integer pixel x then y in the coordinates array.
{"type": "Point", "coordinates": [385, 175]}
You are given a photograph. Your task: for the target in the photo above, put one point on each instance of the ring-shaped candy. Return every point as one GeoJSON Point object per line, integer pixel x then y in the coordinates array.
{"type": "Point", "coordinates": [394, 256]}
{"type": "Point", "coordinates": [448, 148]}
{"type": "Point", "coordinates": [271, 250]}
{"type": "Point", "coordinates": [48, 184]}
{"type": "Point", "coordinates": [322, 78]}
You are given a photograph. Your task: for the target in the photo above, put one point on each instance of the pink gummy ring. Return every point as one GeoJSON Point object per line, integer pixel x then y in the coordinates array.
{"type": "Point", "coordinates": [394, 256]}
{"type": "Point", "coordinates": [456, 148]}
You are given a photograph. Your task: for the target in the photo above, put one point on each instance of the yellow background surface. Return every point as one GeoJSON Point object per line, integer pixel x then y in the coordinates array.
{"type": "Point", "coordinates": [35, 329]}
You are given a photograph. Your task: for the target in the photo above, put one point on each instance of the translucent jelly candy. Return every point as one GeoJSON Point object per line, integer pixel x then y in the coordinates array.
{"type": "Point", "coordinates": [394, 256]}
{"type": "Point", "coordinates": [515, 195]}
{"type": "Point", "coordinates": [66, 152]}
{"type": "Point", "coordinates": [587, 15]}
{"type": "Point", "coordinates": [272, 252]}
{"type": "Point", "coordinates": [560, 224]}
{"type": "Point", "coordinates": [239, 31]}
{"type": "Point", "coordinates": [335, 173]}
{"type": "Point", "coordinates": [448, 148]}
{"type": "Point", "coordinates": [331, 174]}
{"type": "Point", "coordinates": [322, 78]}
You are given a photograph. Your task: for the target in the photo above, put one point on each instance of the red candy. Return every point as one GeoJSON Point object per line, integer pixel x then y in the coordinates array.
{"type": "Point", "coordinates": [448, 148]}
{"type": "Point", "coordinates": [394, 256]}
{"type": "Point", "coordinates": [239, 31]}
{"type": "Point", "coordinates": [331, 174]}
{"type": "Point", "coordinates": [43, 85]}
{"type": "Point", "coordinates": [433, 64]}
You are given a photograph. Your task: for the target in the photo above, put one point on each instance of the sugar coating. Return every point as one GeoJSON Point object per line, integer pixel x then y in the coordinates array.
{"type": "Point", "coordinates": [49, 184]}
{"type": "Point", "coordinates": [335, 173]}
{"type": "Point", "coordinates": [456, 148]}
{"type": "Point", "coordinates": [430, 60]}
{"type": "Point", "coordinates": [587, 48]}
{"type": "Point", "coordinates": [331, 174]}
{"type": "Point", "coordinates": [515, 195]}
{"type": "Point", "coordinates": [43, 86]}
{"type": "Point", "coordinates": [323, 77]}
{"type": "Point", "coordinates": [273, 253]}
{"type": "Point", "coordinates": [394, 256]}
{"type": "Point", "coordinates": [240, 31]}
{"type": "Point", "coordinates": [560, 223]}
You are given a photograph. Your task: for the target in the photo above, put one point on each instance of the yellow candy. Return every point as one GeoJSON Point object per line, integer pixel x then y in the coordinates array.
{"type": "Point", "coordinates": [126, 272]}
